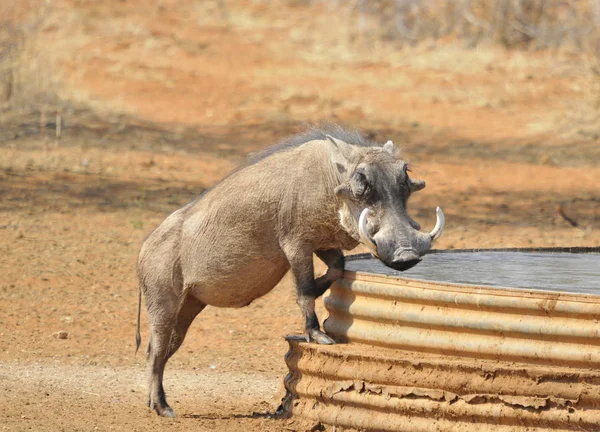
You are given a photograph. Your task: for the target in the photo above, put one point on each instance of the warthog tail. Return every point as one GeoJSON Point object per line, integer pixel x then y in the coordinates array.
{"type": "Point", "coordinates": [138, 337]}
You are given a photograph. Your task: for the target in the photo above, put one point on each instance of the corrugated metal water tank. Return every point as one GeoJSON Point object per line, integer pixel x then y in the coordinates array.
{"type": "Point", "coordinates": [498, 340]}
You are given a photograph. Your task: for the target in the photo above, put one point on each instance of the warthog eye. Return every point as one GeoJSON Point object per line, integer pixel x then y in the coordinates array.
{"type": "Point", "coordinates": [361, 186]}
{"type": "Point", "coordinates": [406, 170]}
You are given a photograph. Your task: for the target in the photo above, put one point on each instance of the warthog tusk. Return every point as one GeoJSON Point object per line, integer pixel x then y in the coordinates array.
{"type": "Point", "coordinates": [439, 226]}
{"type": "Point", "coordinates": [364, 234]}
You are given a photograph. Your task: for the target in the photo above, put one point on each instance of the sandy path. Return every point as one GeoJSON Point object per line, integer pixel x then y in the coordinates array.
{"type": "Point", "coordinates": [63, 397]}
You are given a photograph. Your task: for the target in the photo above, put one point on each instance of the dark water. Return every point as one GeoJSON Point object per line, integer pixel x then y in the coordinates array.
{"type": "Point", "coordinates": [553, 271]}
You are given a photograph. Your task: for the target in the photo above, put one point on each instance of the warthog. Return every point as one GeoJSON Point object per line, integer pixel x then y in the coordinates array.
{"type": "Point", "coordinates": [317, 193]}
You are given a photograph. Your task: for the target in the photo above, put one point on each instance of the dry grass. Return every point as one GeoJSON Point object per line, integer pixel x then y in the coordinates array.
{"type": "Point", "coordinates": [536, 24]}
{"type": "Point", "coordinates": [28, 76]}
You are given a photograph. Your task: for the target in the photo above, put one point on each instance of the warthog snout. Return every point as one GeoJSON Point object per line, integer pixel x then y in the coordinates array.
{"type": "Point", "coordinates": [403, 265]}
{"type": "Point", "coordinates": [404, 259]}
{"type": "Point", "coordinates": [414, 244]}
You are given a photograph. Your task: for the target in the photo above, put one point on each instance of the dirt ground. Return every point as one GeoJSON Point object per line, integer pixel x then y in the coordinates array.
{"type": "Point", "coordinates": [175, 95]}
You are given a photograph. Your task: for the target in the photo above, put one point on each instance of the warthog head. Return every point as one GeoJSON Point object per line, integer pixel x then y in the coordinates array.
{"type": "Point", "coordinates": [375, 186]}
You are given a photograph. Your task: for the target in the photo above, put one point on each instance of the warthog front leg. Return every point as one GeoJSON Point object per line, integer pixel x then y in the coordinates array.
{"type": "Point", "coordinates": [309, 289]}
{"type": "Point", "coordinates": [334, 258]}
{"type": "Point", "coordinates": [311, 327]}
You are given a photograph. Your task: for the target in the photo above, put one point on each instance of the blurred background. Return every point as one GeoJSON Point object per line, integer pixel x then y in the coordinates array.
{"type": "Point", "coordinates": [115, 113]}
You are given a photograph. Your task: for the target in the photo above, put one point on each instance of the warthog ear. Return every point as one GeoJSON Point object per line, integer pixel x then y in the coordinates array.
{"type": "Point", "coordinates": [341, 153]}
{"type": "Point", "coordinates": [389, 147]}
{"type": "Point", "coordinates": [417, 185]}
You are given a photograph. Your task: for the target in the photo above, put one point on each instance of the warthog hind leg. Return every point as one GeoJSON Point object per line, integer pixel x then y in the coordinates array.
{"type": "Point", "coordinates": [189, 310]}
{"type": "Point", "coordinates": [167, 332]}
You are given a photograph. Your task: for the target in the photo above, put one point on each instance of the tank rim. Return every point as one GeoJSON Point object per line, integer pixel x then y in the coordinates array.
{"type": "Point", "coordinates": [591, 250]}
{"type": "Point", "coordinates": [478, 288]}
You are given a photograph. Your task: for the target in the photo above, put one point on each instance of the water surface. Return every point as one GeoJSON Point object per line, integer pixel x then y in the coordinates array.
{"type": "Point", "coordinates": [553, 271]}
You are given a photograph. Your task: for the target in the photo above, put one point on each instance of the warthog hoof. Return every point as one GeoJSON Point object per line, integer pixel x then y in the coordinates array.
{"type": "Point", "coordinates": [319, 337]}
{"type": "Point", "coordinates": [165, 411]}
